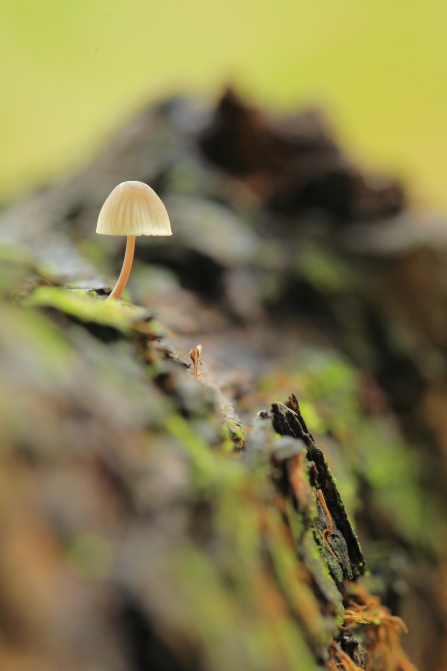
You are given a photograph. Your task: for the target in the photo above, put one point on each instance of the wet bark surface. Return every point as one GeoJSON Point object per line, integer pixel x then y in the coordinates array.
{"type": "Point", "coordinates": [151, 519]}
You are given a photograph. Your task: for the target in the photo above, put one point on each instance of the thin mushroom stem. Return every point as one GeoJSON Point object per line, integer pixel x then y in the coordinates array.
{"type": "Point", "coordinates": [125, 271]}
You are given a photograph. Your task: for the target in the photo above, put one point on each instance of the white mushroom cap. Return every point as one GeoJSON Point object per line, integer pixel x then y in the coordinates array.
{"type": "Point", "coordinates": [133, 208]}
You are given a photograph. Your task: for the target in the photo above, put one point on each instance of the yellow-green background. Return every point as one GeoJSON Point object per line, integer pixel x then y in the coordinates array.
{"type": "Point", "coordinates": [71, 69]}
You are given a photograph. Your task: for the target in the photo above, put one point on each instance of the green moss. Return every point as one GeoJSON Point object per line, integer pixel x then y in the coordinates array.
{"type": "Point", "coordinates": [236, 634]}
{"type": "Point", "coordinates": [233, 435]}
{"type": "Point", "coordinates": [323, 269]}
{"type": "Point", "coordinates": [36, 338]}
{"type": "Point", "coordinates": [360, 445]}
{"type": "Point", "coordinates": [299, 595]}
{"type": "Point", "coordinates": [203, 460]}
{"type": "Point", "coordinates": [84, 307]}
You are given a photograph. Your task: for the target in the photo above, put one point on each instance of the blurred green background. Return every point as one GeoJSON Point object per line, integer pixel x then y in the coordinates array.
{"type": "Point", "coordinates": [72, 69]}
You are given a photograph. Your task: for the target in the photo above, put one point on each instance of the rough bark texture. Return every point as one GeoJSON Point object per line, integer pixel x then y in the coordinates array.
{"type": "Point", "coordinates": [149, 520]}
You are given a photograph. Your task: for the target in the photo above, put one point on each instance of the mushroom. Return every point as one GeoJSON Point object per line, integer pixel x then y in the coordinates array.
{"type": "Point", "coordinates": [196, 357]}
{"type": "Point", "coordinates": [132, 209]}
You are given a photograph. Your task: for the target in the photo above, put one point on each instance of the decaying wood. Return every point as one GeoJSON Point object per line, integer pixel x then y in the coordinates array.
{"type": "Point", "coordinates": [148, 521]}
